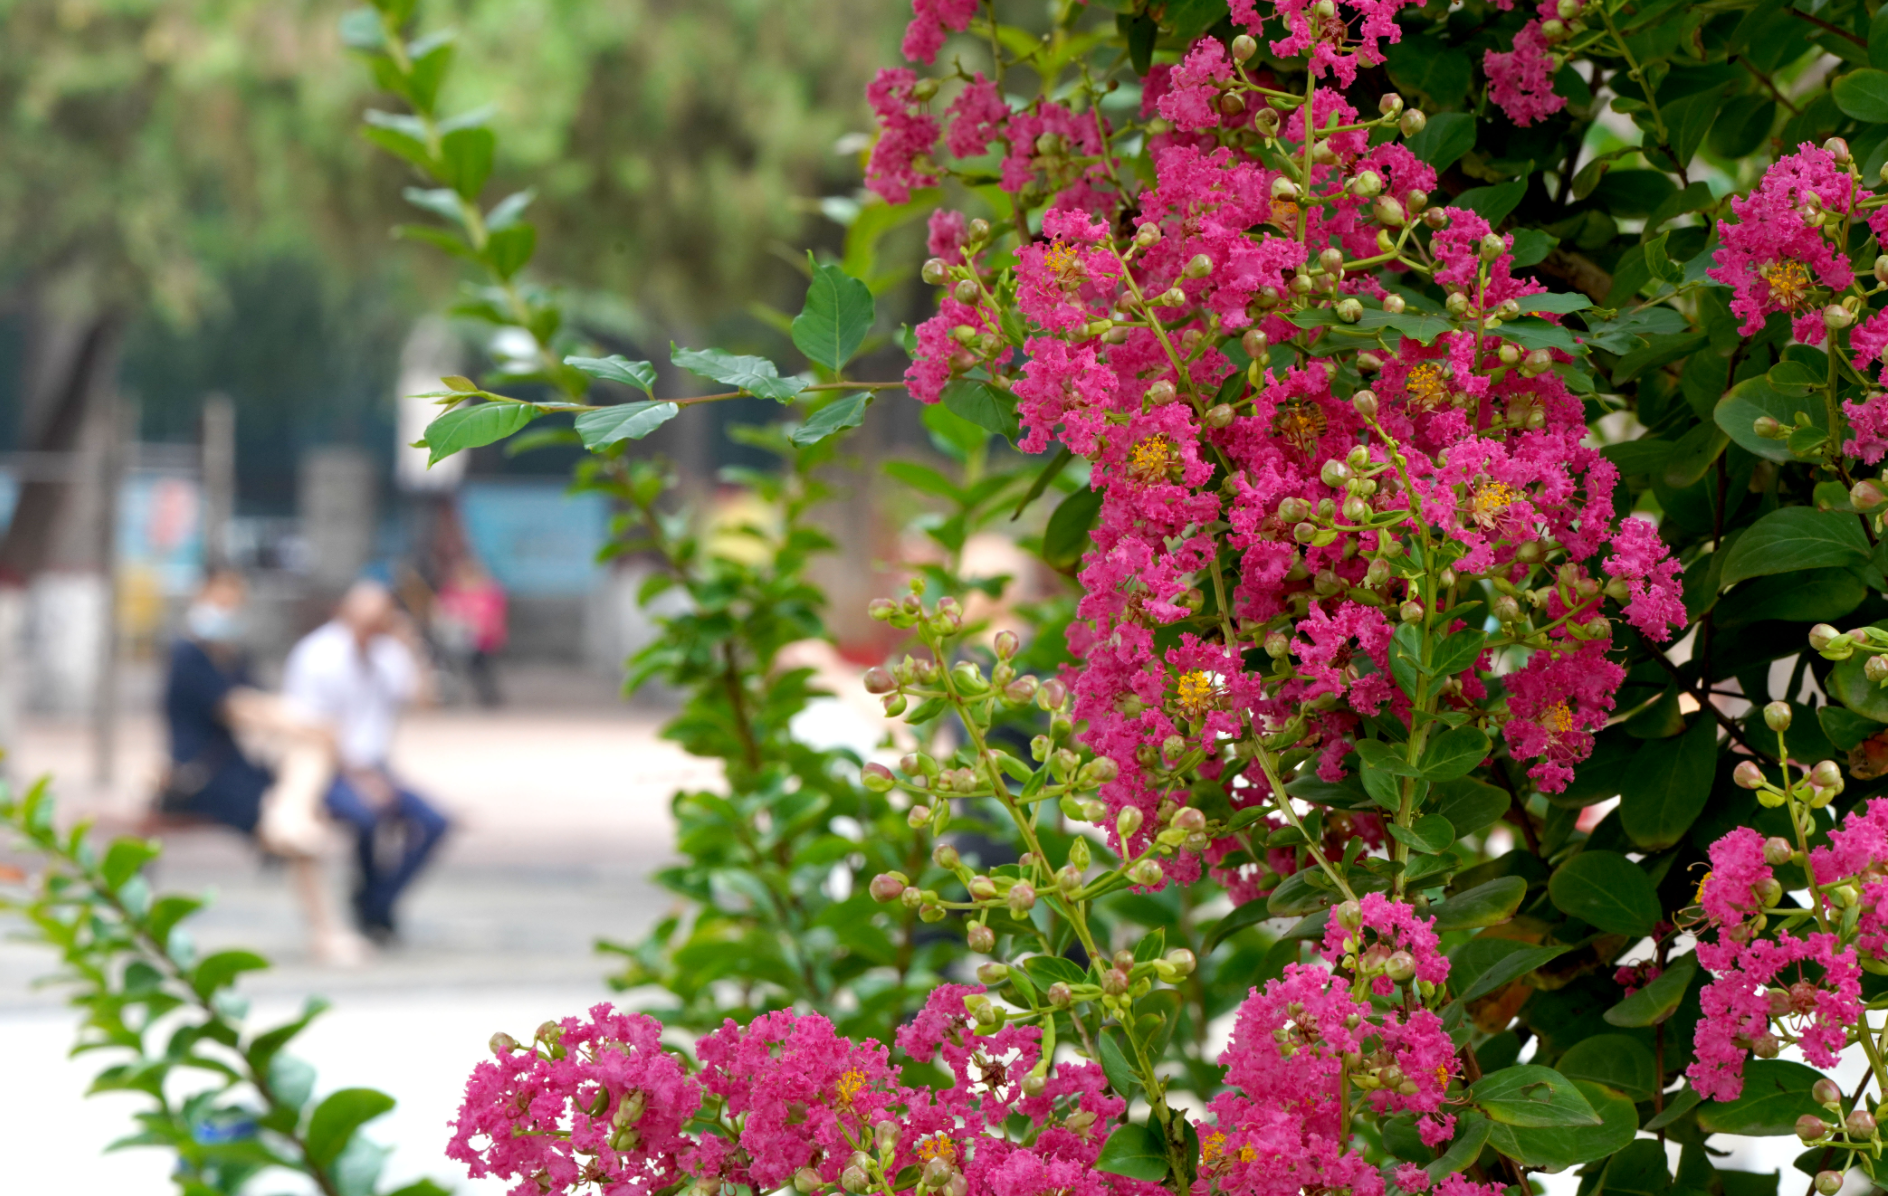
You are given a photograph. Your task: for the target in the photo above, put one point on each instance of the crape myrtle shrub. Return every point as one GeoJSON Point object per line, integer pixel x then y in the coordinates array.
{"type": "Point", "coordinates": [1475, 407]}
{"type": "Point", "coordinates": [1455, 419]}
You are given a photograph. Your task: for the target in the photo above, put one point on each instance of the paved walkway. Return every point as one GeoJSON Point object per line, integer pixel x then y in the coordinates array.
{"type": "Point", "coordinates": [561, 811]}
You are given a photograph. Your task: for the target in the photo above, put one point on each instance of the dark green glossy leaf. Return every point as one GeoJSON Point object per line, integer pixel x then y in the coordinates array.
{"type": "Point", "coordinates": [755, 375]}
{"type": "Point", "coordinates": [1618, 1061]}
{"type": "Point", "coordinates": [1066, 538]}
{"type": "Point", "coordinates": [1565, 1146]}
{"type": "Point", "coordinates": [983, 405]}
{"type": "Point", "coordinates": [1493, 963]}
{"type": "Point", "coordinates": [1794, 538]}
{"type": "Point", "coordinates": [1135, 1151]}
{"type": "Point", "coordinates": [1659, 999]}
{"type": "Point", "coordinates": [1487, 904]}
{"type": "Point", "coordinates": [1863, 94]}
{"type": "Point", "coordinates": [1470, 806]}
{"type": "Point", "coordinates": [1446, 137]}
{"type": "Point", "coordinates": [1666, 788]}
{"type": "Point", "coordinates": [1606, 890]}
{"type": "Point", "coordinates": [1454, 753]}
{"type": "Point", "coordinates": [1776, 1092]}
{"type": "Point", "coordinates": [1532, 1096]}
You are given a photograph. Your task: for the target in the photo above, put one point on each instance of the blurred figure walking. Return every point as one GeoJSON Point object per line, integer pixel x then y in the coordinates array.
{"type": "Point", "coordinates": [354, 674]}
{"type": "Point", "coordinates": [210, 705]}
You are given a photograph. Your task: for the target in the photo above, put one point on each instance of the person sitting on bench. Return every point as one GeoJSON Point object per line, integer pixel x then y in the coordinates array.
{"type": "Point", "coordinates": [209, 699]}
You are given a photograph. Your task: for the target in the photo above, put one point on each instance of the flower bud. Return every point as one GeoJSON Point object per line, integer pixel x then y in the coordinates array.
{"type": "Point", "coordinates": [937, 1172]}
{"type": "Point", "coordinates": [806, 1181]}
{"type": "Point", "coordinates": [1022, 898]}
{"type": "Point", "coordinates": [1182, 960]}
{"type": "Point", "coordinates": [1128, 821]}
{"type": "Point", "coordinates": [1334, 474]}
{"type": "Point", "coordinates": [936, 272]}
{"type": "Point", "coordinates": [979, 231]}
{"type": "Point", "coordinates": [918, 817]}
{"type": "Point", "coordinates": [982, 888]}
{"type": "Point", "coordinates": [1052, 695]}
{"type": "Point", "coordinates": [1822, 635]}
{"type": "Point", "coordinates": [1161, 393]}
{"type": "Point", "coordinates": [980, 938]}
{"type": "Point", "coordinates": [1828, 1183]}
{"type": "Point", "coordinates": [1777, 852]}
{"type": "Point", "coordinates": [1411, 611]}
{"type": "Point", "coordinates": [1492, 246]}
{"type": "Point", "coordinates": [1776, 716]}
{"type": "Point", "coordinates": [1810, 1127]}
{"type": "Point", "coordinates": [1401, 966]}
{"type": "Point", "coordinates": [1349, 310]}
{"type": "Point", "coordinates": [1413, 122]}
{"type": "Point", "coordinates": [1768, 428]}
{"type": "Point", "coordinates": [1875, 668]}
{"type": "Point", "coordinates": [1254, 343]}
{"type": "Point", "coordinates": [1199, 266]}
{"type": "Point", "coordinates": [992, 974]}
{"type": "Point", "coordinates": [1860, 1124]}
{"type": "Point", "coordinates": [1826, 772]}
{"type": "Point", "coordinates": [1827, 1093]}
{"type": "Point", "coordinates": [503, 1044]}
{"type": "Point", "coordinates": [888, 886]}
{"type": "Point", "coordinates": [1114, 982]}
{"type": "Point", "coordinates": [1189, 819]}
{"type": "Point", "coordinates": [1367, 184]}
{"type": "Point", "coordinates": [1146, 873]}
{"type": "Point", "coordinates": [1748, 775]}
{"type": "Point", "coordinates": [855, 1180]}
{"type": "Point", "coordinates": [1284, 189]}
{"type": "Point", "coordinates": [1836, 317]}
{"type": "Point", "coordinates": [1244, 47]}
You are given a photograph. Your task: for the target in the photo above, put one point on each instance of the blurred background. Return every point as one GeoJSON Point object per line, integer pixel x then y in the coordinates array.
{"type": "Point", "coordinates": [206, 326]}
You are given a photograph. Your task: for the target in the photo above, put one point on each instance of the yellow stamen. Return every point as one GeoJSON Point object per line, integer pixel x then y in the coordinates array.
{"type": "Point", "coordinates": [1247, 1154]}
{"type": "Point", "coordinates": [1428, 387]}
{"type": "Point", "coordinates": [1557, 718]}
{"type": "Point", "coordinates": [1698, 897]}
{"type": "Point", "coordinates": [1789, 282]}
{"type": "Point", "coordinates": [1152, 460]}
{"type": "Point", "coordinates": [937, 1146]}
{"type": "Point", "coordinates": [1065, 262]}
{"type": "Point", "coordinates": [1197, 695]}
{"type": "Point", "coordinates": [1490, 500]}
{"type": "Point", "coordinates": [1211, 1145]}
{"type": "Point", "coordinates": [1284, 215]}
{"type": "Point", "coordinates": [849, 1086]}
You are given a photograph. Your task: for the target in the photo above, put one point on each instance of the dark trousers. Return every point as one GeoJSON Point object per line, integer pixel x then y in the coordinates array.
{"type": "Point", "coordinates": [392, 845]}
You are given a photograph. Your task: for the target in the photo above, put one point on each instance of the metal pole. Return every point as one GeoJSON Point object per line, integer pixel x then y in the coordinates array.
{"type": "Point", "coordinates": [219, 478]}
{"type": "Point", "coordinates": [120, 424]}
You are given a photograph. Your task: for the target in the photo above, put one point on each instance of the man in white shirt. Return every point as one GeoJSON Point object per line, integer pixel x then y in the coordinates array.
{"type": "Point", "coordinates": [353, 674]}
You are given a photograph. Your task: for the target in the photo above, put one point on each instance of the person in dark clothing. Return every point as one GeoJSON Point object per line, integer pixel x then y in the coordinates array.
{"type": "Point", "coordinates": [208, 696]}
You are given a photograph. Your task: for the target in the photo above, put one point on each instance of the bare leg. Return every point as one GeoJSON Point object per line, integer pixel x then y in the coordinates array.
{"type": "Point", "coordinates": [330, 941]}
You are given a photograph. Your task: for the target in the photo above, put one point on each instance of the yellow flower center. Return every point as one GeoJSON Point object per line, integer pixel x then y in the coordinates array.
{"type": "Point", "coordinates": [937, 1146]}
{"type": "Point", "coordinates": [1196, 695]}
{"type": "Point", "coordinates": [1697, 898]}
{"type": "Point", "coordinates": [850, 1085]}
{"type": "Point", "coordinates": [1442, 1074]}
{"type": "Point", "coordinates": [1428, 387]}
{"type": "Point", "coordinates": [1491, 499]}
{"type": "Point", "coordinates": [1211, 1146]}
{"type": "Point", "coordinates": [1153, 459]}
{"type": "Point", "coordinates": [1789, 282]}
{"type": "Point", "coordinates": [1557, 718]}
{"type": "Point", "coordinates": [1284, 215]}
{"type": "Point", "coordinates": [1248, 1154]}
{"type": "Point", "coordinates": [1065, 262]}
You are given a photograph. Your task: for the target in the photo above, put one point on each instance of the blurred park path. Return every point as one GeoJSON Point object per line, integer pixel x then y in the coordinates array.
{"type": "Point", "coordinates": [561, 810]}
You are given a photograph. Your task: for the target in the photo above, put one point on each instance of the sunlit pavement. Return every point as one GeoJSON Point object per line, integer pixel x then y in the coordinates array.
{"type": "Point", "coordinates": [561, 813]}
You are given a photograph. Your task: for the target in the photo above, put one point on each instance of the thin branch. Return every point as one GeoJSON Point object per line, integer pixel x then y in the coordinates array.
{"type": "Point", "coordinates": [1838, 30]}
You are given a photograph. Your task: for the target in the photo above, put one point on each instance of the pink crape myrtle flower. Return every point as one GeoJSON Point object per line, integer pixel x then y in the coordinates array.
{"type": "Point", "coordinates": [906, 134]}
{"type": "Point", "coordinates": [1521, 80]}
{"type": "Point", "coordinates": [1772, 258]}
{"type": "Point", "coordinates": [931, 22]}
{"type": "Point", "coordinates": [1333, 44]}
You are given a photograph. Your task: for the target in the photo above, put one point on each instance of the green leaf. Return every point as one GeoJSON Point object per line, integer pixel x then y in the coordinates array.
{"type": "Point", "coordinates": [1114, 1064]}
{"type": "Point", "coordinates": [1490, 964]}
{"type": "Point", "coordinates": [1471, 1134]}
{"type": "Point", "coordinates": [1135, 1151]}
{"type": "Point", "coordinates": [983, 405]}
{"type": "Point", "coordinates": [1639, 1169]}
{"type": "Point", "coordinates": [624, 421]}
{"type": "Point", "coordinates": [1846, 729]}
{"type": "Point", "coordinates": [834, 417]}
{"type": "Point", "coordinates": [467, 157]}
{"type": "Point", "coordinates": [1446, 137]}
{"type": "Point", "coordinates": [1559, 302]}
{"type": "Point", "coordinates": [1240, 917]}
{"type": "Point", "coordinates": [1457, 654]}
{"type": "Point", "coordinates": [1564, 1146]}
{"type": "Point", "coordinates": [125, 858]}
{"type": "Point", "coordinates": [1878, 40]}
{"type": "Point", "coordinates": [1469, 805]}
{"type": "Point", "coordinates": [474, 426]}
{"type": "Point", "coordinates": [1066, 537]}
{"type": "Point", "coordinates": [838, 314]}
{"type": "Point", "coordinates": [1812, 596]}
{"type": "Point", "coordinates": [755, 375]}
{"type": "Point", "coordinates": [217, 971]}
{"type": "Point", "coordinates": [1454, 753]}
{"type": "Point", "coordinates": [1532, 1096]}
{"type": "Point", "coordinates": [1659, 999]}
{"type": "Point", "coordinates": [1618, 1061]}
{"type": "Point", "coordinates": [1493, 203]}
{"type": "Point", "coordinates": [1794, 538]}
{"type": "Point", "coordinates": [509, 249]}
{"type": "Point", "coordinates": [1488, 904]}
{"type": "Point", "coordinates": [1738, 410]}
{"type": "Point", "coordinates": [618, 368]}
{"type": "Point", "coordinates": [1776, 1093]}
{"type": "Point", "coordinates": [1431, 834]}
{"type": "Point", "coordinates": [1385, 757]}
{"type": "Point", "coordinates": [1688, 119]}
{"type": "Point", "coordinates": [1531, 247]}
{"type": "Point", "coordinates": [1666, 788]}
{"type": "Point", "coordinates": [1863, 94]}
{"type": "Point", "coordinates": [1424, 64]}
{"type": "Point", "coordinates": [1606, 890]}
{"type": "Point", "coordinates": [336, 1118]}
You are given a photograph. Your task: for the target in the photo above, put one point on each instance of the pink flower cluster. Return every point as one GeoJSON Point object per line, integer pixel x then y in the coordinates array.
{"type": "Point", "coordinates": [598, 1104]}
{"type": "Point", "coordinates": [1801, 988]}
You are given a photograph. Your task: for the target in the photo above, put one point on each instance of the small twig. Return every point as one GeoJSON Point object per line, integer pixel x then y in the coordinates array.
{"type": "Point", "coordinates": [1838, 30]}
